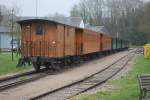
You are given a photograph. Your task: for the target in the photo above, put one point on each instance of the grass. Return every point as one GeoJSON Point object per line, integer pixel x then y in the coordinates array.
{"type": "Point", "coordinates": [125, 88]}
{"type": "Point", "coordinates": [9, 66]}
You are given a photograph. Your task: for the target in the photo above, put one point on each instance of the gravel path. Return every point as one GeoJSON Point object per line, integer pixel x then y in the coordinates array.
{"type": "Point", "coordinates": [58, 80]}
{"type": "Point", "coordinates": [108, 86]}
{"type": "Point", "coordinates": [99, 78]}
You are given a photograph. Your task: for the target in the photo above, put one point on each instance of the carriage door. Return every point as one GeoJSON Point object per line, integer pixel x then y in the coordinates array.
{"type": "Point", "coordinates": [39, 30]}
{"type": "Point", "coordinates": [79, 43]}
{"type": "Point", "coordinates": [69, 41]}
{"type": "Point", "coordinates": [26, 40]}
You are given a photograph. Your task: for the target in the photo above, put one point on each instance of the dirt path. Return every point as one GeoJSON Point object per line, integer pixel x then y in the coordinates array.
{"type": "Point", "coordinates": [61, 79]}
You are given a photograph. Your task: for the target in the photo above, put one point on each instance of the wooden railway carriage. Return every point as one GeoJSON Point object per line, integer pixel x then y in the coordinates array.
{"type": "Point", "coordinates": [50, 43]}
{"type": "Point", "coordinates": [92, 42]}
{"type": "Point", "coordinates": [44, 40]}
{"type": "Point", "coordinates": [105, 41]}
{"type": "Point", "coordinates": [114, 43]}
{"type": "Point", "coordinates": [119, 44]}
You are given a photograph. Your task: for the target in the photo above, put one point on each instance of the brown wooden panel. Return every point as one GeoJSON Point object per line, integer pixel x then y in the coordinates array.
{"type": "Point", "coordinates": [59, 41]}
{"type": "Point", "coordinates": [91, 42]}
{"type": "Point", "coordinates": [26, 40]}
{"type": "Point", "coordinates": [101, 44]}
{"type": "Point", "coordinates": [51, 39]}
{"type": "Point", "coordinates": [79, 40]}
{"type": "Point", "coordinates": [106, 43]}
{"type": "Point", "coordinates": [40, 45]}
{"type": "Point", "coordinates": [70, 47]}
{"type": "Point", "coordinates": [56, 41]}
{"type": "Point", "coordinates": [37, 42]}
{"type": "Point", "coordinates": [60, 46]}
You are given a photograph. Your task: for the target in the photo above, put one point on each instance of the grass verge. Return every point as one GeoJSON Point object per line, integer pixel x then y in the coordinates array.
{"type": "Point", "coordinates": [125, 88]}
{"type": "Point", "coordinates": [9, 66]}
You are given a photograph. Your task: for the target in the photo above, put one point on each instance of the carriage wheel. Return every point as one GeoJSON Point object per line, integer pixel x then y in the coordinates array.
{"type": "Point", "coordinates": [48, 66]}
{"type": "Point", "coordinates": [55, 66]}
{"type": "Point", "coordinates": [36, 66]}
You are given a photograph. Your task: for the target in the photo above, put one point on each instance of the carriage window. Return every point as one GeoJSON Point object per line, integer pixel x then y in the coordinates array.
{"type": "Point", "coordinates": [39, 28]}
{"type": "Point", "coordinates": [27, 27]}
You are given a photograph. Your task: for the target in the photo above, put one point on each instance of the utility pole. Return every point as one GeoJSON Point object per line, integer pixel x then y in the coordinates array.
{"type": "Point", "coordinates": [0, 33]}
{"type": "Point", "coordinates": [36, 7]}
{"type": "Point", "coordinates": [117, 35]}
{"type": "Point", "coordinates": [0, 42]}
{"type": "Point", "coordinates": [12, 41]}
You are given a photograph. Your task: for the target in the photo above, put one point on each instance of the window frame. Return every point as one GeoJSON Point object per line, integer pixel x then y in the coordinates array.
{"type": "Point", "coordinates": [39, 28]}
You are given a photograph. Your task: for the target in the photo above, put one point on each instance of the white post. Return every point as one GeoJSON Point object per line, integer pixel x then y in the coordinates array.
{"type": "Point", "coordinates": [117, 35]}
{"type": "Point", "coordinates": [12, 22]}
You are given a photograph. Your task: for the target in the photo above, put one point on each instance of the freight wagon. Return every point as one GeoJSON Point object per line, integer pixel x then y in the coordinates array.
{"type": "Point", "coordinates": [53, 44]}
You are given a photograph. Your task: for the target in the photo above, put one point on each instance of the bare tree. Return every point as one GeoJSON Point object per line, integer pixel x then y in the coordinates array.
{"type": "Point", "coordinates": [75, 11]}
{"type": "Point", "coordinates": [89, 10]}
{"type": "Point", "coordinates": [119, 16]}
{"type": "Point", "coordinates": [144, 21]}
{"type": "Point", "coordinates": [0, 15]}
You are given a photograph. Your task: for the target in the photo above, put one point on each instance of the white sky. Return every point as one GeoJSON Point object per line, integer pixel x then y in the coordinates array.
{"type": "Point", "coordinates": [45, 7]}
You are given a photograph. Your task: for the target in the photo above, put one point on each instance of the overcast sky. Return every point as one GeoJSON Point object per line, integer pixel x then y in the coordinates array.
{"type": "Point", "coordinates": [45, 7]}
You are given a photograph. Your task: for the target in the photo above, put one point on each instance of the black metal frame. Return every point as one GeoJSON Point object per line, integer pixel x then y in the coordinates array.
{"type": "Point", "coordinates": [60, 62]}
{"type": "Point", "coordinates": [144, 84]}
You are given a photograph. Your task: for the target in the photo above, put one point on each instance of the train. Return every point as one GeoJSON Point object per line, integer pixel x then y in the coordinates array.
{"type": "Point", "coordinates": [53, 44]}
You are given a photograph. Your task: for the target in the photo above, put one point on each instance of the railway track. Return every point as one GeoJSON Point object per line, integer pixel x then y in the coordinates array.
{"type": "Point", "coordinates": [22, 78]}
{"type": "Point", "coordinates": [88, 83]}
{"type": "Point", "coordinates": [16, 75]}
{"type": "Point", "coordinates": [19, 79]}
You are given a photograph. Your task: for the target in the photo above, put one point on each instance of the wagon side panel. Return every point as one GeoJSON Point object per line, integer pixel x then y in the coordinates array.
{"type": "Point", "coordinates": [79, 42]}
{"type": "Point", "coordinates": [37, 41]}
{"type": "Point", "coordinates": [101, 43]}
{"type": "Point", "coordinates": [91, 42]}
{"type": "Point", "coordinates": [60, 40]}
{"type": "Point", "coordinates": [51, 39]}
{"type": "Point", "coordinates": [26, 40]}
{"type": "Point", "coordinates": [69, 41]}
{"type": "Point", "coordinates": [107, 43]}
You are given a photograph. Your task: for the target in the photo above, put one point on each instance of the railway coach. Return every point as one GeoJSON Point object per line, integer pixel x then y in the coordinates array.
{"type": "Point", "coordinates": [52, 44]}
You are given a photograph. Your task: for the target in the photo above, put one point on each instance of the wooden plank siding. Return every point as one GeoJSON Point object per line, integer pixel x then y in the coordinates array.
{"type": "Point", "coordinates": [106, 43]}
{"type": "Point", "coordinates": [50, 38]}
{"type": "Point", "coordinates": [79, 41]}
{"type": "Point", "coordinates": [91, 41]}
{"type": "Point", "coordinates": [70, 41]}
{"type": "Point", "coordinates": [61, 41]}
{"type": "Point", "coordinates": [25, 44]}
{"type": "Point", "coordinates": [58, 40]}
{"type": "Point", "coordinates": [66, 41]}
{"type": "Point", "coordinates": [42, 44]}
{"type": "Point", "coordinates": [38, 45]}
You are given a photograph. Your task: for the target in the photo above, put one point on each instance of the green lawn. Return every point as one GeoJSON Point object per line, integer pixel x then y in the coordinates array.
{"type": "Point", "coordinates": [9, 66]}
{"type": "Point", "coordinates": [125, 88]}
